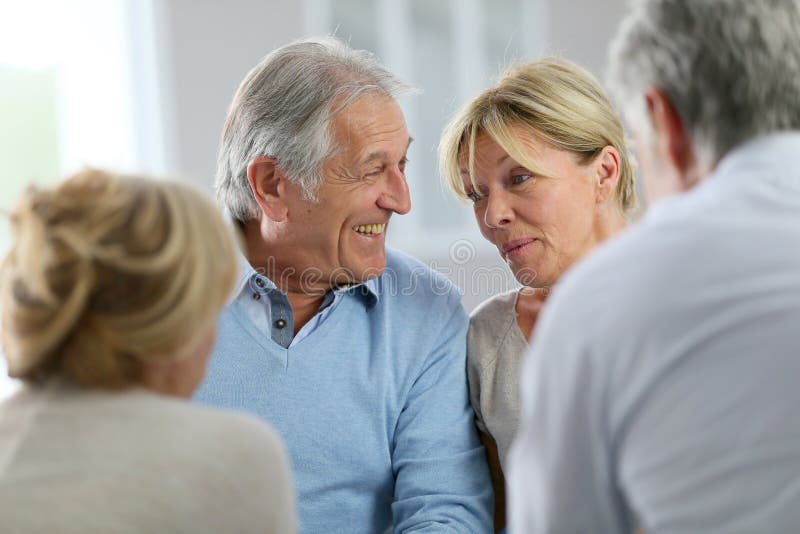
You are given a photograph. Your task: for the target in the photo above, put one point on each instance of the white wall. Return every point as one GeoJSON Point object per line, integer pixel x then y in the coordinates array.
{"type": "Point", "coordinates": [581, 30]}
{"type": "Point", "coordinates": [206, 48]}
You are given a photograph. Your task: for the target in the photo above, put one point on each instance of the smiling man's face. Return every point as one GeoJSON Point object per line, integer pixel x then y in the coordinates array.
{"type": "Point", "coordinates": [343, 235]}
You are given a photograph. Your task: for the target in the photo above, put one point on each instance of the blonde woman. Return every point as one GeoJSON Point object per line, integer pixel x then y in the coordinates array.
{"type": "Point", "coordinates": [542, 158]}
{"type": "Point", "coordinates": [109, 298]}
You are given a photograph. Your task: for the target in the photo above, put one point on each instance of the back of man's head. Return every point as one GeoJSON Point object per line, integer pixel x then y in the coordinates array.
{"type": "Point", "coordinates": [730, 68]}
{"type": "Point", "coordinates": [283, 109]}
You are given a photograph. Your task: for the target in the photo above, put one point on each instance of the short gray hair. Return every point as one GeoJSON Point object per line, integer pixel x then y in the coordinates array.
{"type": "Point", "coordinates": [731, 68]}
{"type": "Point", "coordinates": [283, 109]}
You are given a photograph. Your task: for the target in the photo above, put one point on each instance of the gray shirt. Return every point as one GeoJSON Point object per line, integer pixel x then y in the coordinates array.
{"type": "Point", "coordinates": [661, 390]}
{"type": "Point", "coordinates": [495, 347]}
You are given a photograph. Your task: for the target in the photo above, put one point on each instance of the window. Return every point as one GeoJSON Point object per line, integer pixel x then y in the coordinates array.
{"type": "Point", "coordinates": [74, 91]}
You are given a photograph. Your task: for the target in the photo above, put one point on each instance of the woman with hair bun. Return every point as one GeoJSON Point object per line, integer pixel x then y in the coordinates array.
{"type": "Point", "coordinates": [108, 298]}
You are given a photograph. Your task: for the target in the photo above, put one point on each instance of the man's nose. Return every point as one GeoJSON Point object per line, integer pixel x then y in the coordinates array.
{"type": "Point", "coordinates": [396, 197]}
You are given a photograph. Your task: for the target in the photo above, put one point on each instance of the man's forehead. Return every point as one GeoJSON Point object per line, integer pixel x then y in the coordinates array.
{"type": "Point", "coordinates": [350, 110]}
{"type": "Point", "coordinates": [372, 127]}
{"type": "Point", "coordinates": [379, 155]}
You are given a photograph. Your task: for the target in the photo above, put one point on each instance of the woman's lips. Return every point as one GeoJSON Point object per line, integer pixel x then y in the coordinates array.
{"type": "Point", "coordinates": [518, 247]}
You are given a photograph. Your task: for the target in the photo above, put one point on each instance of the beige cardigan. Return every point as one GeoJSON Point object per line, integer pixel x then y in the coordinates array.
{"type": "Point", "coordinates": [75, 461]}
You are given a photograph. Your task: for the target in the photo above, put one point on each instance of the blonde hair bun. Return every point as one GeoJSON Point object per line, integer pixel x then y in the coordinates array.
{"type": "Point", "coordinates": [106, 272]}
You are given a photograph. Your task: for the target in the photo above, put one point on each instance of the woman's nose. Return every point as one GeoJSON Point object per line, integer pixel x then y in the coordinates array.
{"type": "Point", "coordinates": [498, 210]}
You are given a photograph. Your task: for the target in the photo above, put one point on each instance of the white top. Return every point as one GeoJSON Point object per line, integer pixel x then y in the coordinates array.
{"type": "Point", "coordinates": [675, 405]}
{"type": "Point", "coordinates": [73, 461]}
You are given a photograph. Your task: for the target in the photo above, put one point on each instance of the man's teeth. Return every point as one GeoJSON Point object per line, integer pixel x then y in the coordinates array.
{"type": "Point", "coordinates": [370, 228]}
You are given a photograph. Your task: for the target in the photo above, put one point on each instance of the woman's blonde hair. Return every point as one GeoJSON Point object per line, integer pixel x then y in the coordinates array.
{"type": "Point", "coordinates": [559, 102]}
{"type": "Point", "coordinates": [106, 273]}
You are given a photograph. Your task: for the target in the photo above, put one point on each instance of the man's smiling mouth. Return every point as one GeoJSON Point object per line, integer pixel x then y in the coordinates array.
{"type": "Point", "coordinates": [370, 229]}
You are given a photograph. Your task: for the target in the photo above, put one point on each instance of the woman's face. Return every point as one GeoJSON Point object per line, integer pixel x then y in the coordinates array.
{"type": "Point", "coordinates": [540, 225]}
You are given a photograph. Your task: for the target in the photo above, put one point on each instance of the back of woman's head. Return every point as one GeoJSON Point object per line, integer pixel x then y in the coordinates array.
{"type": "Point", "coordinates": [555, 100]}
{"type": "Point", "coordinates": [107, 273]}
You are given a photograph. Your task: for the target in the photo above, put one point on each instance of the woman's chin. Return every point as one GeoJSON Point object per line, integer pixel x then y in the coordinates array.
{"type": "Point", "coordinates": [528, 276]}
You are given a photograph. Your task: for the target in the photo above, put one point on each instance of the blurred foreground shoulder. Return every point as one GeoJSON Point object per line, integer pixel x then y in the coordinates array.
{"type": "Point", "coordinates": [249, 465]}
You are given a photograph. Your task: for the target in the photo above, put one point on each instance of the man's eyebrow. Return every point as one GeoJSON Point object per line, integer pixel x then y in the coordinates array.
{"type": "Point", "coordinates": [382, 153]}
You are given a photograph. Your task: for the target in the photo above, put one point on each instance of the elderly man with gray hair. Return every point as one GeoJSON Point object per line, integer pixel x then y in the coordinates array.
{"type": "Point", "coordinates": [355, 353]}
{"type": "Point", "coordinates": [661, 392]}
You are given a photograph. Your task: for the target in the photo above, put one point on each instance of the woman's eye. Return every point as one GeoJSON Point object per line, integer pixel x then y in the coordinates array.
{"type": "Point", "coordinates": [520, 178]}
{"type": "Point", "coordinates": [474, 196]}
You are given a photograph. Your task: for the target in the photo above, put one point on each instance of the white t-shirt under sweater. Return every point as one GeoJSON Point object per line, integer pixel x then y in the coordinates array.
{"type": "Point", "coordinates": [78, 461]}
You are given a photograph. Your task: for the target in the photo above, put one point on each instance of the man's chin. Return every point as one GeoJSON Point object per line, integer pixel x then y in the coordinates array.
{"type": "Point", "coordinates": [357, 274]}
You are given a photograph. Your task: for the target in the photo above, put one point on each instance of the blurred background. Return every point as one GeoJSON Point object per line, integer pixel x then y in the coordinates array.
{"type": "Point", "coordinates": [144, 85]}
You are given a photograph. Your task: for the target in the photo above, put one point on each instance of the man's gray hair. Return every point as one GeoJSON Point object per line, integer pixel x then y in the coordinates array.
{"type": "Point", "coordinates": [283, 109]}
{"type": "Point", "coordinates": [731, 68]}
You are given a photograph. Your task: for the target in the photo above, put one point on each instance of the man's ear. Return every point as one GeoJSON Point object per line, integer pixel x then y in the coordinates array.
{"type": "Point", "coordinates": [606, 171]}
{"type": "Point", "coordinates": [670, 137]}
{"type": "Point", "coordinates": [268, 185]}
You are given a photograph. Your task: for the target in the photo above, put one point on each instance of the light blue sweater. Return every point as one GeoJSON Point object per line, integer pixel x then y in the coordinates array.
{"type": "Point", "coordinates": [372, 404]}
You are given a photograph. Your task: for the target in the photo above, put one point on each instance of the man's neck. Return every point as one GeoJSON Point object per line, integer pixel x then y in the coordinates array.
{"type": "Point", "coordinates": [608, 224]}
{"type": "Point", "coordinates": [305, 296]}
{"type": "Point", "coordinates": [304, 307]}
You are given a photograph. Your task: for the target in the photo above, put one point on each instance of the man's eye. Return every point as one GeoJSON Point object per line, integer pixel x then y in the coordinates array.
{"type": "Point", "coordinates": [520, 178]}
{"type": "Point", "coordinates": [403, 163]}
{"type": "Point", "coordinates": [474, 196]}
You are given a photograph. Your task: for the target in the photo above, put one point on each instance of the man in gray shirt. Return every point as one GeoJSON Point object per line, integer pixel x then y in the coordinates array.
{"type": "Point", "coordinates": [661, 392]}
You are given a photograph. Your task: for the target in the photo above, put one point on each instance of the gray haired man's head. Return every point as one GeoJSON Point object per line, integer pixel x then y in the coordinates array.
{"type": "Point", "coordinates": [730, 68]}
{"type": "Point", "coordinates": [283, 110]}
